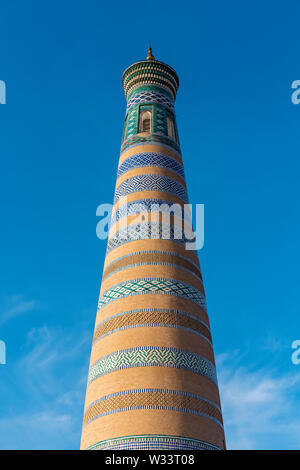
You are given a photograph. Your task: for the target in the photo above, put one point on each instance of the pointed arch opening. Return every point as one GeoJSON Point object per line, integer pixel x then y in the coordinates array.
{"type": "Point", "coordinates": [145, 122]}
{"type": "Point", "coordinates": [171, 129]}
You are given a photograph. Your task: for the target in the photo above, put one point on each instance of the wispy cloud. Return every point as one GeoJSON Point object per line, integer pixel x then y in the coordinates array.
{"type": "Point", "coordinates": [48, 357]}
{"type": "Point", "coordinates": [37, 430]}
{"type": "Point", "coordinates": [16, 306]}
{"type": "Point", "coordinates": [260, 406]}
{"type": "Point", "coordinates": [42, 399]}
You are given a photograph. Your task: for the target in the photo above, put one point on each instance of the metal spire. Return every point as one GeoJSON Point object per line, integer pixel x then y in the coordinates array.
{"type": "Point", "coordinates": [150, 56]}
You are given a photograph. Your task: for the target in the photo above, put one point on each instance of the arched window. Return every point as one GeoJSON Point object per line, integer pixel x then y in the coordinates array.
{"type": "Point", "coordinates": [171, 128]}
{"type": "Point", "coordinates": [145, 121]}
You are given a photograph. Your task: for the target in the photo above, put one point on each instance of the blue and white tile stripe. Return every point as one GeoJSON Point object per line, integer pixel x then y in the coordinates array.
{"type": "Point", "coordinates": [150, 205]}
{"type": "Point", "coordinates": [151, 159]}
{"type": "Point", "coordinates": [155, 285]}
{"type": "Point", "coordinates": [147, 231]}
{"type": "Point", "coordinates": [154, 442]}
{"type": "Point", "coordinates": [149, 356]}
{"type": "Point", "coordinates": [151, 183]}
{"type": "Point", "coordinates": [149, 96]}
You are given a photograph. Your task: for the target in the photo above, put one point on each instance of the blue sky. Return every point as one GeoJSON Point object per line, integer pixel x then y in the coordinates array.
{"type": "Point", "coordinates": [60, 134]}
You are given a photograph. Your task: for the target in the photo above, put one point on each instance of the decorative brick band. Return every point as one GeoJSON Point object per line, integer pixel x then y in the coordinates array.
{"type": "Point", "coordinates": [150, 183]}
{"type": "Point", "coordinates": [154, 264]}
{"type": "Point", "coordinates": [152, 318]}
{"type": "Point", "coordinates": [152, 258]}
{"type": "Point", "coordinates": [153, 286]}
{"type": "Point", "coordinates": [150, 205]}
{"type": "Point", "coordinates": [150, 159]}
{"type": "Point", "coordinates": [153, 399]}
{"type": "Point", "coordinates": [147, 231]}
{"type": "Point", "coordinates": [153, 442]}
{"type": "Point", "coordinates": [171, 253]}
{"type": "Point", "coordinates": [153, 356]}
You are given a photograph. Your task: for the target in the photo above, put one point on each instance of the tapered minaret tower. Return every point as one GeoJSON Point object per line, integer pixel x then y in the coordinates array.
{"type": "Point", "coordinates": [152, 380]}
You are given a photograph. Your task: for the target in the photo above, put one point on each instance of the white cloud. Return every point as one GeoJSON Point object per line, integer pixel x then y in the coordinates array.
{"type": "Point", "coordinates": [16, 306]}
{"type": "Point", "coordinates": [48, 359]}
{"type": "Point", "coordinates": [48, 383]}
{"type": "Point", "coordinates": [36, 430]}
{"type": "Point", "coordinates": [260, 406]}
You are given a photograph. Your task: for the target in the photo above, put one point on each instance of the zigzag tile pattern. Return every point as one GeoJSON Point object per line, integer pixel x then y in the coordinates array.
{"type": "Point", "coordinates": [149, 96]}
{"type": "Point", "coordinates": [150, 159]}
{"type": "Point", "coordinates": [151, 183]}
{"type": "Point", "coordinates": [153, 356]}
{"type": "Point", "coordinates": [153, 286]}
{"type": "Point", "coordinates": [147, 231]}
{"type": "Point", "coordinates": [150, 205]}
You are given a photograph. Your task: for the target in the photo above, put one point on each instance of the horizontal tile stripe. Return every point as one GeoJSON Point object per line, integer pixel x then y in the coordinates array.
{"type": "Point", "coordinates": [150, 147]}
{"type": "Point", "coordinates": [155, 263]}
{"type": "Point", "coordinates": [167, 252]}
{"type": "Point", "coordinates": [150, 96]}
{"type": "Point", "coordinates": [153, 286]}
{"type": "Point", "coordinates": [151, 170]}
{"type": "Point", "coordinates": [153, 399]}
{"type": "Point", "coordinates": [147, 231]}
{"type": "Point", "coordinates": [153, 356]}
{"type": "Point", "coordinates": [148, 194]}
{"type": "Point", "coordinates": [152, 258]}
{"type": "Point", "coordinates": [170, 223]}
{"type": "Point", "coordinates": [150, 205]}
{"type": "Point", "coordinates": [150, 183]}
{"type": "Point", "coordinates": [150, 311]}
{"type": "Point", "coordinates": [155, 377]}
{"type": "Point", "coordinates": [139, 246]}
{"type": "Point", "coordinates": [152, 318]}
{"type": "Point", "coordinates": [162, 391]}
{"type": "Point", "coordinates": [153, 442]}
{"type": "Point", "coordinates": [147, 159]}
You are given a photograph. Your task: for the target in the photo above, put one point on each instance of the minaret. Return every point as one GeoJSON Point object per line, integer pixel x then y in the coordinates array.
{"type": "Point", "coordinates": [152, 381]}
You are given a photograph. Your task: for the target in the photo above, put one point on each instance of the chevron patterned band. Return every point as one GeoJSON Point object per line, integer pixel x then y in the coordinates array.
{"type": "Point", "coordinates": [153, 286]}
{"type": "Point", "coordinates": [145, 231]}
{"type": "Point", "coordinates": [149, 356]}
{"type": "Point", "coordinates": [150, 96]}
{"type": "Point", "coordinates": [141, 206]}
{"type": "Point", "coordinates": [150, 183]}
{"type": "Point", "coordinates": [150, 159]}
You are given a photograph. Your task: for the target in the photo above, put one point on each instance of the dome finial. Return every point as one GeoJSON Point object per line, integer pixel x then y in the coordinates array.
{"type": "Point", "coordinates": [150, 55]}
